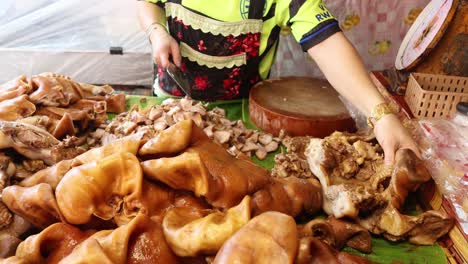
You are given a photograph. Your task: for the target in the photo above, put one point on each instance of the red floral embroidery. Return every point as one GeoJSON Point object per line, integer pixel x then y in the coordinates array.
{"type": "Point", "coordinates": [234, 73]}
{"type": "Point", "coordinates": [251, 44]}
{"type": "Point", "coordinates": [233, 91]}
{"type": "Point", "coordinates": [201, 82]}
{"type": "Point", "coordinates": [228, 83]}
{"type": "Point", "coordinates": [233, 84]}
{"type": "Point", "coordinates": [160, 71]}
{"type": "Point", "coordinates": [183, 67]}
{"type": "Point", "coordinates": [248, 43]}
{"type": "Point", "coordinates": [201, 46]}
{"type": "Point", "coordinates": [176, 20]}
{"type": "Point", "coordinates": [177, 92]}
{"type": "Point", "coordinates": [179, 35]}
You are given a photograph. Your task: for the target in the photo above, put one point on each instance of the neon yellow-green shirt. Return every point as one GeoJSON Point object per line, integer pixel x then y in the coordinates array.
{"type": "Point", "coordinates": [309, 20]}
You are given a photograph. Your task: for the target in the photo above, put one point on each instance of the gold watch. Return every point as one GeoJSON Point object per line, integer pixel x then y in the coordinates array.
{"type": "Point", "coordinates": [378, 112]}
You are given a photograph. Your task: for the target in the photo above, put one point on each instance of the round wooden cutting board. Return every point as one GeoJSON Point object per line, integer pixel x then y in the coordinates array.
{"type": "Point", "coordinates": [425, 33]}
{"type": "Point", "coordinates": [301, 106]}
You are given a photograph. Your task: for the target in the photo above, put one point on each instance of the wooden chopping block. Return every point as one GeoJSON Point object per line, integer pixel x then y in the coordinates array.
{"type": "Point", "coordinates": [301, 106]}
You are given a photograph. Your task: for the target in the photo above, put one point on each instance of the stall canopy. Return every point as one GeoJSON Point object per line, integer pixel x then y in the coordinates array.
{"type": "Point", "coordinates": [75, 38]}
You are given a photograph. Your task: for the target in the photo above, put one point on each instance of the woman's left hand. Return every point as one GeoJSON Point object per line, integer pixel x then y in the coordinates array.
{"type": "Point", "coordinates": [392, 136]}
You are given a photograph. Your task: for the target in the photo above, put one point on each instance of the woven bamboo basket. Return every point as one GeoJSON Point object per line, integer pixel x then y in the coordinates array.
{"type": "Point", "coordinates": [433, 96]}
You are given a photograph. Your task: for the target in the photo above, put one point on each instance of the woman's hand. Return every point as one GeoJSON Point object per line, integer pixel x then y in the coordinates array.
{"type": "Point", "coordinates": [393, 136]}
{"type": "Point", "coordinates": [164, 45]}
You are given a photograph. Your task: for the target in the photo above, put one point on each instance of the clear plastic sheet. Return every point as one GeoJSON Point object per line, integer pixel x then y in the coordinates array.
{"type": "Point", "coordinates": [445, 149]}
{"type": "Point", "coordinates": [356, 114]}
{"type": "Point", "coordinates": [74, 38]}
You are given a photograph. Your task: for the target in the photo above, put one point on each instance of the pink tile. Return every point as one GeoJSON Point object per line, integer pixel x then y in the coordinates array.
{"type": "Point", "coordinates": [382, 17]}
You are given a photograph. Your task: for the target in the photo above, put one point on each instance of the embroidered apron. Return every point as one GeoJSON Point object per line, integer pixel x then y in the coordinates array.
{"type": "Point", "coordinates": [220, 59]}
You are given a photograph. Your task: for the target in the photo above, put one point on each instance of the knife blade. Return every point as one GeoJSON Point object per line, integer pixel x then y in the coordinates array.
{"type": "Point", "coordinates": [179, 78]}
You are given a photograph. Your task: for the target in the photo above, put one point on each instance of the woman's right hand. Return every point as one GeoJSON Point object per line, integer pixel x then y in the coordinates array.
{"type": "Point", "coordinates": [164, 45]}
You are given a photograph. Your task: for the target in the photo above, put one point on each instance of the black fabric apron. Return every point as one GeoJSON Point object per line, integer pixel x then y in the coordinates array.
{"type": "Point", "coordinates": [218, 81]}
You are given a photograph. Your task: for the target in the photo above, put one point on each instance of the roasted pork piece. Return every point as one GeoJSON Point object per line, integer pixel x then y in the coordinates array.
{"type": "Point", "coordinates": [16, 108]}
{"type": "Point", "coordinates": [34, 143]}
{"type": "Point", "coordinates": [292, 196]}
{"type": "Point", "coordinates": [357, 184]}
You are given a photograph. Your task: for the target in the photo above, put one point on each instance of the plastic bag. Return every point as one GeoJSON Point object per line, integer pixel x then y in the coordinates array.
{"type": "Point", "coordinates": [444, 146]}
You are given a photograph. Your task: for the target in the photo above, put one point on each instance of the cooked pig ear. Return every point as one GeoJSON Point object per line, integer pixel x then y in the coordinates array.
{"type": "Point", "coordinates": [16, 108]}
{"type": "Point", "coordinates": [351, 235]}
{"type": "Point", "coordinates": [89, 251]}
{"type": "Point", "coordinates": [183, 172]}
{"type": "Point", "coordinates": [116, 103]}
{"type": "Point", "coordinates": [14, 88]}
{"type": "Point", "coordinates": [57, 113]}
{"type": "Point", "coordinates": [338, 233]}
{"type": "Point", "coordinates": [290, 196]}
{"type": "Point", "coordinates": [409, 173]}
{"type": "Point", "coordinates": [92, 90]}
{"type": "Point", "coordinates": [64, 127]}
{"type": "Point", "coordinates": [128, 144]}
{"type": "Point", "coordinates": [189, 236]}
{"type": "Point", "coordinates": [232, 181]}
{"type": "Point", "coordinates": [423, 229]}
{"type": "Point", "coordinates": [170, 141]}
{"type": "Point", "coordinates": [36, 204]}
{"type": "Point", "coordinates": [91, 106]}
{"type": "Point", "coordinates": [105, 188]}
{"type": "Point", "coordinates": [55, 90]}
{"type": "Point", "coordinates": [156, 199]}
{"type": "Point", "coordinates": [51, 244]}
{"type": "Point", "coordinates": [13, 260]}
{"type": "Point", "coordinates": [312, 250]}
{"type": "Point", "coordinates": [50, 175]}
{"type": "Point", "coordinates": [268, 238]}
{"type": "Point", "coordinates": [140, 239]}
{"type": "Point", "coordinates": [10, 236]}
{"type": "Point", "coordinates": [47, 92]}
{"type": "Point", "coordinates": [198, 170]}
{"type": "Point", "coordinates": [431, 226]}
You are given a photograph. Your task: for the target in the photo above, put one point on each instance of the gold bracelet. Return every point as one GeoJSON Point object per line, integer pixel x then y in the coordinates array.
{"type": "Point", "coordinates": [378, 112]}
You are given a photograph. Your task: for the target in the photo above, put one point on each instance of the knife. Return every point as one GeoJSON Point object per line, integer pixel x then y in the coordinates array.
{"type": "Point", "coordinates": [179, 78]}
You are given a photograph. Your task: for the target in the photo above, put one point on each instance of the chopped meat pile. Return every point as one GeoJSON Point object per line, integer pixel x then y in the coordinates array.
{"type": "Point", "coordinates": [233, 135]}
{"type": "Point", "coordinates": [356, 184]}
{"type": "Point", "coordinates": [293, 162]}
